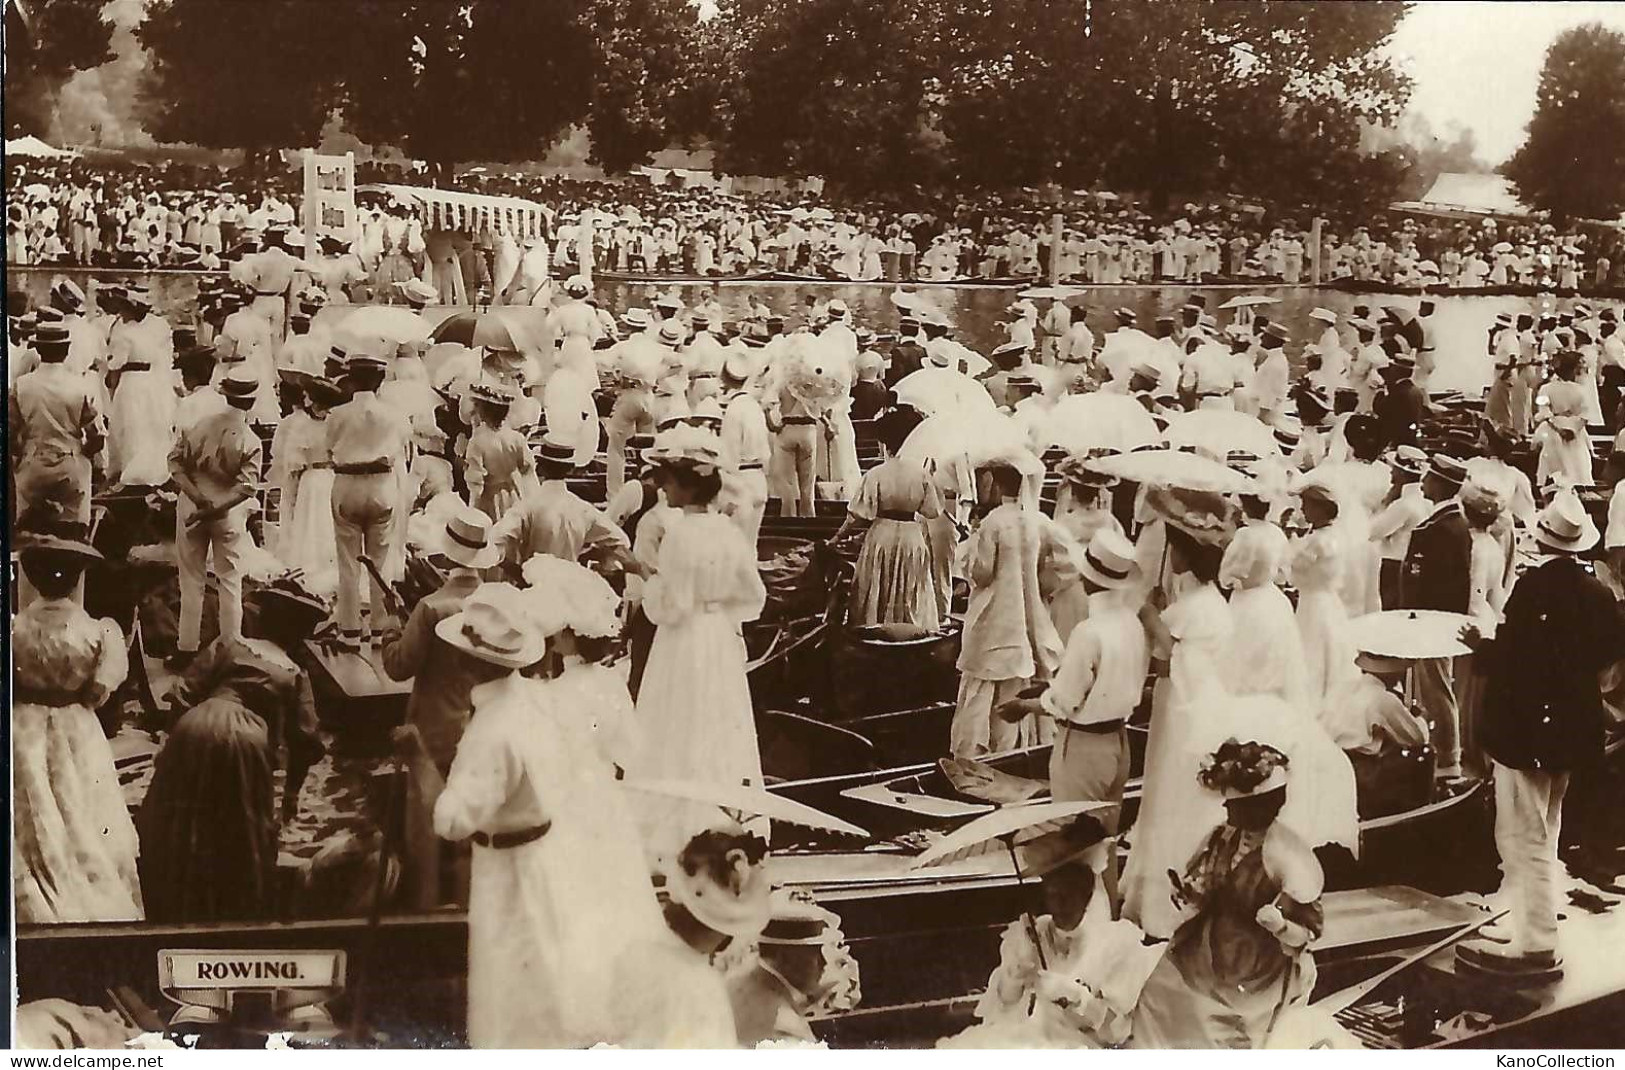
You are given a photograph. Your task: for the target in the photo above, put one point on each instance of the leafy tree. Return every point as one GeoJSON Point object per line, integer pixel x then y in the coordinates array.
{"type": "Point", "coordinates": [1573, 161]}
{"type": "Point", "coordinates": [642, 52]}
{"type": "Point", "coordinates": [46, 42]}
{"type": "Point", "coordinates": [257, 76]}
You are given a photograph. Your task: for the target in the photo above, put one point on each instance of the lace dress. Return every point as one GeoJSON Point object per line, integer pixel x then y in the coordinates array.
{"type": "Point", "coordinates": [73, 845]}
{"type": "Point", "coordinates": [1319, 565]}
{"type": "Point", "coordinates": [694, 710]}
{"type": "Point", "coordinates": [893, 582]}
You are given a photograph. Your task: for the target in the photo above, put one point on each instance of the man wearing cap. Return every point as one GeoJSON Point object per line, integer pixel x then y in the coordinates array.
{"type": "Point", "coordinates": [1543, 718]}
{"type": "Point", "coordinates": [216, 466]}
{"type": "Point", "coordinates": [1401, 406]}
{"type": "Point", "coordinates": [1437, 575]}
{"type": "Point", "coordinates": [636, 363]}
{"type": "Point", "coordinates": [1272, 378]}
{"type": "Point", "coordinates": [368, 439]}
{"type": "Point", "coordinates": [56, 431]}
{"type": "Point", "coordinates": [555, 520]}
{"type": "Point", "coordinates": [245, 338]}
{"type": "Point", "coordinates": [1057, 322]}
{"type": "Point", "coordinates": [748, 445]}
{"type": "Point", "coordinates": [442, 682]}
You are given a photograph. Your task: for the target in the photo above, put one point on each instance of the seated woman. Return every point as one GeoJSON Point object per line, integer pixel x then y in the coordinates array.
{"type": "Point", "coordinates": [1251, 897]}
{"type": "Point", "coordinates": [1069, 978]}
{"type": "Point", "coordinates": [74, 848]}
{"type": "Point", "coordinates": [209, 823]}
{"type": "Point", "coordinates": [892, 583]}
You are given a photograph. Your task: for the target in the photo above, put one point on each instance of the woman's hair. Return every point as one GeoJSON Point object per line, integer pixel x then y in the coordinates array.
{"type": "Point", "coordinates": [1199, 559]}
{"type": "Point", "coordinates": [708, 851]}
{"type": "Point", "coordinates": [1567, 364]}
{"type": "Point", "coordinates": [54, 573]}
{"type": "Point", "coordinates": [490, 412]}
{"type": "Point", "coordinates": [702, 487]}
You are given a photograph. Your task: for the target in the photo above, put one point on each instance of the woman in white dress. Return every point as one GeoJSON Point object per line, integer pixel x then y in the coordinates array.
{"type": "Point", "coordinates": [694, 710]}
{"type": "Point", "coordinates": [1192, 634]}
{"type": "Point", "coordinates": [306, 540]}
{"type": "Point", "coordinates": [1266, 658]}
{"type": "Point", "coordinates": [1565, 447]}
{"type": "Point", "coordinates": [74, 845]}
{"type": "Point", "coordinates": [1319, 565]}
{"type": "Point", "coordinates": [141, 424]}
{"type": "Point", "coordinates": [559, 889]}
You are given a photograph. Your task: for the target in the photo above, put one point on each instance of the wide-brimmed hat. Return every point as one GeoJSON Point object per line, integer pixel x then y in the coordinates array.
{"type": "Point", "coordinates": [68, 292]}
{"type": "Point", "coordinates": [417, 291]}
{"type": "Point", "coordinates": [1324, 315]}
{"type": "Point", "coordinates": [491, 393]}
{"type": "Point", "coordinates": [1565, 525]}
{"type": "Point", "coordinates": [1243, 769]}
{"type": "Point", "coordinates": [52, 336]}
{"type": "Point", "coordinates": [467, 540]}
{"type": "Point", "coordinates": [635, 319]}
{"type": "Point", "coordinates": [577, 286]}
{"type": "Point", "coordinates": [1109, 560]}
{"type": "Point", "coordinates": [741, 911]}
{"type": "Point", "coordinates": [568, 595]}
{"type": "Point", "coordinates": [62, 537]}
{"type": "Point", "coordinates": [493, 627]}
{"type": "Point", "coordinates": [139, 296]}
{"type": "Point", "coordinates": [551, 450]}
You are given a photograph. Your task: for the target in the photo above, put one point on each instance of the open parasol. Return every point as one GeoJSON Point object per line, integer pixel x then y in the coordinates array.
{"type": "Point", "coordinates": [1218, 432]}
{"type": "Point", "coordinates": [1250, 301]}
{"type": "Point", "coordinates": [1082, 422]}
{"type": "Point", "coordinates": [1173, 468]}
{"type": "Point", "coordinates": [979, 434]}
{"type": "Point", "coordinates": [386, 323]}
{"type": "Point", "coordinates": [1410, 634]}
{"type": "Point", "coordinates": [940, 390]}
{"type": "Point", "coordinates": [744, 801]}
{"type": "Point", "coordinates": [490, 329]}
{"type": "Point", "coordinates": [1003, 829]}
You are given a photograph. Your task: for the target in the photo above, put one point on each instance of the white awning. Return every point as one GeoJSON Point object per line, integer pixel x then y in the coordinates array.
{"type": "Point", "coordinates": [452, 210]}
{"type": "Point", "coordinates": [33, 146]}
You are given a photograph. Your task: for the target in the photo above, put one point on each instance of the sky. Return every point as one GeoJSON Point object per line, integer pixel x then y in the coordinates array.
{"type": "Point", "coordinates": [1477, 64]}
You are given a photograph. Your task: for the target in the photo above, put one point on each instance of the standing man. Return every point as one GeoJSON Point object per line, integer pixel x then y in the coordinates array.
{"type": "Point", "coordinates": [56, 430]}
{"type": "Point", "coordinates": [1543, 718]}
{"type": "Point", "coordinates": [747, 443]}
{"type": "Point", "coordinates": [367, 437]}
{"type": "Point", "coordinates": [1426, 360]}
{"type": "Point", "coordinates": [216, 466]}
{"type": "Point", "coordinates": [270, 274]}
{"type": "Point", "coordinates": [1437, 575]}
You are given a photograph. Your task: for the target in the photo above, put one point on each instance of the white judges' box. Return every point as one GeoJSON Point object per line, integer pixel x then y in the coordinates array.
{"type": "Point", "coordinates": [330, 210]}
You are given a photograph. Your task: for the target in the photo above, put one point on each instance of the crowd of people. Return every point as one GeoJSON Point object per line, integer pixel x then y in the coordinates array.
{"type": "Point", "coordinates": [188, 218]}
{"type": "Point", "coordinates": [1168, 504]}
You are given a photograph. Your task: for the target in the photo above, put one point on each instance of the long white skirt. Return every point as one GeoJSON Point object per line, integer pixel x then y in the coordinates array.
{"type": "Point", "coordinates": [74, 846]}
{"type": "Point", "coordinates": [694, 714]}
{"type": "Point", "coordinates": [141, 428]}
{"type": "Point", "coordinates": [307, 540]}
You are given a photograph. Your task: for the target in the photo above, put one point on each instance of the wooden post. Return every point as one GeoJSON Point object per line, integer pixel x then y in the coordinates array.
{"type": "Point", "coordinates": [1055, 250]}
{"type": "Point", "coordinates": [1314, 246]}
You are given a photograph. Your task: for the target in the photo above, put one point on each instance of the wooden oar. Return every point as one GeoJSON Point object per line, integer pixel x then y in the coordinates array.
{"type": "Point", "coordinates": [1348, 997]}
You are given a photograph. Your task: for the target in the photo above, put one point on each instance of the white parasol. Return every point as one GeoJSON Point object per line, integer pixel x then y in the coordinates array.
{"type": "Point", "coordinates": [1219, 431]}
{"type": "Point", "coordinates": [1250, 301]}
{"type": "Point", "coordinates": [1410, 634]}
{"type": "Point", "coordinates": [980, 435]}
{"type": "Point", "coordinates": [1004, 829]}
{"type": "Point", "coordinates": [1082, 422]}
{"type": "Point", "coordinates": [745, 801]}
{"type": "Point", "coordinates": [38, 189]}
{"type": "Point", "coordinates": [390, 324]}
{"type": "Point", "coordinates": [940, 390]}
{"type": "Point", "coordinates": [1173, 468]}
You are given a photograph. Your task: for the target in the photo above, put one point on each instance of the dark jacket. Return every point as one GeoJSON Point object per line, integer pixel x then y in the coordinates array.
{"type": "Point", "coordinates": [1437, 572]}
{"type": "Point", "coordinates": [1542, 702]}
{"type": "Point", "coordinates": [906, 357]}
{"type": "Point", "coordinates": [1400, 409]}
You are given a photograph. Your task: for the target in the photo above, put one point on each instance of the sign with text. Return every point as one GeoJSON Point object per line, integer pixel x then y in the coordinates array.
{"type": "Point", "coordinates": [190, 970]}
{"type": "Point", "coordinates": [330, 210]}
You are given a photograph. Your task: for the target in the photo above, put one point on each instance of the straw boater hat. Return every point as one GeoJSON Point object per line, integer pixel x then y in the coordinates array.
{"type": "Point", "coordinates": [418, 292]}
{"type": "Point", "coordinates": [63, 537]}
{"type": "Point", "coordinates": [1324, 315]}
{"type": "Point", "coordinates": [493, 627]}
{"type": "Point", "coordinates": [687, 447]}
{"type": "Point", "coordinates": [672, 333]}
{"type": "Point", "coordinates": [553, 451]}
{"type": "Point", "coordinates": [1564, 525]}
{"type": "Point", "coordinates": [635, 319]}
{"type": "Point", "coordinates": [1109, 561]}
{"type": "Point", "coordinates": [491, 393]}
{"type": "Point", "coordinates": [240, 384]}
{"type": "Point", "coordinates": [467, 540]}
{"type": "Point", "coordinates": [68, 293]}
{"type": "Point", "coordinates": [1448, 468]}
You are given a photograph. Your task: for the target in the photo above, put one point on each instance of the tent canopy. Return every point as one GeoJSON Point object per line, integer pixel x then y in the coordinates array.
{"type": "Point", "coordinates": [33, 146]}
{"type": "Point", "coordinates": [451, 210]}
{"type": "Point", "coordinates": [1456, 194]}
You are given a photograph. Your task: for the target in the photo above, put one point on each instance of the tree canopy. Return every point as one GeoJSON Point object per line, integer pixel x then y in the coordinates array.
{"type": "Point", "coordinates": [1573, 160]}
{"type": "Point", "coordinates": [47, 41]}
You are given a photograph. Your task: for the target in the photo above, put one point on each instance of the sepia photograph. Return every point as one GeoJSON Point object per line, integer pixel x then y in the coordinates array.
{"type": "Point", "coordinates": [852, 524]}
